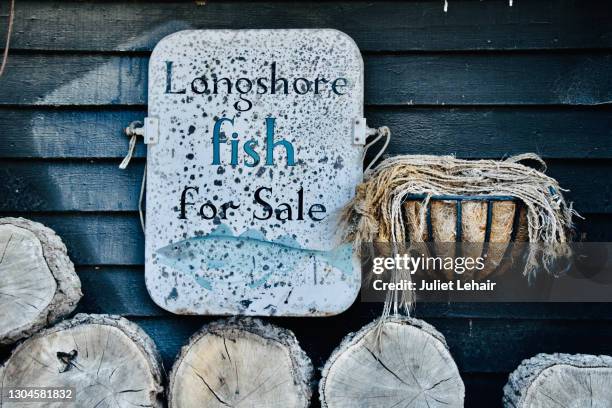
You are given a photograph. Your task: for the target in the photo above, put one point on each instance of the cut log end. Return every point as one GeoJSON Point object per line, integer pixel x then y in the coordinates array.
{"type": "Point", "coordinates": [406, 363]}
{"type": "Point", "coordinates": [106, 360]}
{"type": "Point", "coordinates": [241, 362]}
{"type": "Point", "coordinates": [562, 380]}
{"type": "Point", "coordinates": [38, 284]}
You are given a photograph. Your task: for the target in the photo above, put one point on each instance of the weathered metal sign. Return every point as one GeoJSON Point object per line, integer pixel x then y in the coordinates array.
{"type": "Point", "coordinates": [252, 151]}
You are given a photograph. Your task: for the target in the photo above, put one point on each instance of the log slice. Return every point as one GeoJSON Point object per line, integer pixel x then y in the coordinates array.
{"type": "Point", "coordinates": [560, 380]}
{"type": "Point", "coordinates": [410, 366]}
{"type": "Point", "coordinates": [241, 362]}
{"type": "Point", "coordinates": [38, 284]}
{"type": "Point", "coordinates": [107, 360]}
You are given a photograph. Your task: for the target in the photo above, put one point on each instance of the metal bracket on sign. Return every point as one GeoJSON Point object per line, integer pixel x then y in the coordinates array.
{"type": "Point", "coordinates": [360, 131]}
{"type": "Point", "coordinates": [151, 130]}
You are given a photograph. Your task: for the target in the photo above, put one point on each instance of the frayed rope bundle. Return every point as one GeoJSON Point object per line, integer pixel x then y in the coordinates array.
{"type": "Point", "coordinates": [375, 213]}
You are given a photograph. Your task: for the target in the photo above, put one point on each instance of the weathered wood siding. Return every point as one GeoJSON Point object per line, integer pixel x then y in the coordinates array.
{"type": "Point", "coordinates": [483, 80]}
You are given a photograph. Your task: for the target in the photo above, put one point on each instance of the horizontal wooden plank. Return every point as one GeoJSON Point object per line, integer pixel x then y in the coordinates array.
{"type": "Point", "coordinates": [500, 346]}
{"type": "Point", "coordinates": [98, 239]}
{"type": "Point", "coordinates": [476, 344]}
{"type": "Point", "coordinates": [71, 186]}
{"type": "Point", "coordinates": [74, 80]}
{"type": "Point", "coordinates": [53, 133]}
{"type": "Point", "coordinates": [117, 239]}
{"type": "Point", "coordinates": [121, 290]}
{"type": "Point", "coordinates": [375, 26]}
{"type": "Point", "coordinates": [581, 78]}
{"type": "Point", "coordinates": [101, 186]}
{"type": "Point", "coordinates": [499, 79]}
{"type": "Point", "coordinates": [553, 133]}
{"type": "Point", "coordinates": [476, 133]}
{"type": "Point", "coordinates": [116, 290]}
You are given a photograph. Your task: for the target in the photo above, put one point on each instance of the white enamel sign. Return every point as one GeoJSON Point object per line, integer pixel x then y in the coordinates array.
{"type": "Point", "coordinates": [252, 152]}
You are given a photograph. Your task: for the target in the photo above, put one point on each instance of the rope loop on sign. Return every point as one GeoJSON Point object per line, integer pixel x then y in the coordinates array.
{"type": "Point", "coordinates": [9, 32]}
{"type": "Point", "coordinates": [381, 132]}
{"type": "Point", "coordinates": [134, 130]}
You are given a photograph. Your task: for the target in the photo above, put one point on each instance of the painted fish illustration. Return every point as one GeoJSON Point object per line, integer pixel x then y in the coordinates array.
{"type": "Point", "coordinates": [248, 258]}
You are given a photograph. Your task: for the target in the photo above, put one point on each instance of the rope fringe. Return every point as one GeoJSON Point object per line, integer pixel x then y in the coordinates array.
{"type": "Point", "coordinates": [141, 198]}
{"type": "Point", "coordinates": [130, 153]}
{"type": "Point", "coordinates": [376, 212]}
{"type": "Point", "coordinates": [134, 130]}
{"type": "Point", "coordinates": [381, 132]}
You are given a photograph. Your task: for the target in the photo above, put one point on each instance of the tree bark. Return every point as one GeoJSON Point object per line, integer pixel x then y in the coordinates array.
{"type": "Point", "coordinates": [38, 284]}
{"type": "Point", "coordinates": [241, 363]}
{"type": "Point", "coordinates": [107, 360]}
{"type": "Point", "coordinates": [405, 362]}
{"type": "Point", "coordinates": [560, 380]}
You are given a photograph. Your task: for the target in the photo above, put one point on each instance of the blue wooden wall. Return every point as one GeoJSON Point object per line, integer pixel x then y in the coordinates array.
{"type": "Point", "coordinates": [482, 81]}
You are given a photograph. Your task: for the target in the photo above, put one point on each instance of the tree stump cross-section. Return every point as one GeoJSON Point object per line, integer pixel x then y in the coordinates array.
{"type": "Point", "coordinates": [106, 360]}
{"type": "Point", "coordinates": [38, 284]}
{"type": "Point", "coordinates": [560, 380]}
{"type": "Point", "coordinates": [405, 362]}
{"type": "Point", "coordinates": [241, 362]}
